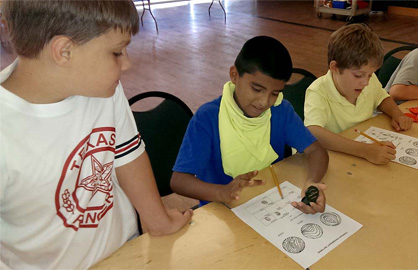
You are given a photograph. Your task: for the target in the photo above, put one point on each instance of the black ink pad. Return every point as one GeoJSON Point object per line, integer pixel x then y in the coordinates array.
{"type": "Point", "coordinates": [311, 194]}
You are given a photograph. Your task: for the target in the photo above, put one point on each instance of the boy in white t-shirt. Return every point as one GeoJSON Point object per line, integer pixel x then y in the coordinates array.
{"type": "Point", "coordinates": [72, 163]}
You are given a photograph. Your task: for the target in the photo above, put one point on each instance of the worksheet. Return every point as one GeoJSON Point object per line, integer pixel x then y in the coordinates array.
{"type": "Point", "coordinates": [406, 146]}
{"type": "Point", "coordinates": [304, 238]}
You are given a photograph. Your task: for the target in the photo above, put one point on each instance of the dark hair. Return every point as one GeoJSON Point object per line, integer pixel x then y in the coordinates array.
{"type": "Point", "coordinates": [267, 55]}
{"type": "Point", "coordinates": [34, 23]}
{"type": "Point", "coordinates": [355, 45]}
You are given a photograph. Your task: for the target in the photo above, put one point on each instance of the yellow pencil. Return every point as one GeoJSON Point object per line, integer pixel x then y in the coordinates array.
{"type": "Point", "coordinates": [367, 136]}
{"type": "Point", "coordinates": [276, 181]}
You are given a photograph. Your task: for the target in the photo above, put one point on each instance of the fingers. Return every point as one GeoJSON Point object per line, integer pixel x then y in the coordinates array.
{"type": "Point", "coordinates": [395, 125]}
{"type": "Point", "coordinates": [188, 214]}
{"type": "Point", "coordinates": [402, 123]}
{"type": "Point", "coordinates": [248, 175]}
{"type": "Point", "coordinates": [312, 209]}
{"type": "Point", "coordinates": [405, 122]}
{"type": "Point", "coordinates": [389, 144]}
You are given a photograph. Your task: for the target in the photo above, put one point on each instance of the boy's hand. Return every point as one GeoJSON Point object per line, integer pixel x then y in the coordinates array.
{"type": "Point", "coordinates": [380, 154]}
{"type": "Point", "coordinates": [315, 207]}
{"type": "Point", "coordinates": [402, 122]}
{"type": "Point", "coordinates": [232, 191]}
{"type": "Point", "coordinates": [178, 219]}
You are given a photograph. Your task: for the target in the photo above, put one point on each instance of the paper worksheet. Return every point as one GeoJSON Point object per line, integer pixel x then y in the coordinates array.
{"type": "Point", "coordinates": [304, 238]}
{"type": "Point", "coordinates": [406, 146]}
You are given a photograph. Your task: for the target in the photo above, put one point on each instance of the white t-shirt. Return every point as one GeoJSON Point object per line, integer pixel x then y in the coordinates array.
{"type": "Point", "coordinates": [61, 204]}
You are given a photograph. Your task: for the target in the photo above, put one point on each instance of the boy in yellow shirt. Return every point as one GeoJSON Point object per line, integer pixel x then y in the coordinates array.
{"type": "Point", "coordinates": [349, 93]}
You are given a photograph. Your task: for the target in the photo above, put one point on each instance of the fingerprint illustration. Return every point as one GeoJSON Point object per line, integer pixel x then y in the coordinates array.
{"type": "Point", "coordinates": [311, 230]}
{"type": "Point", "coordinates": [415, 144]}
{"type": "Point", "coordinates": [330, 219]}
{"type": "Point", "coordinates": [293, 244]}
{"type": "Point", "coordinates": [412, 152]}
{"type": "Point", "coordinates": [408, 160]}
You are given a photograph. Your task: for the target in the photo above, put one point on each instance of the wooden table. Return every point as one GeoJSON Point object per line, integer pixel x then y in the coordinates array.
{"type": "Point", "coordinates": [383, 198]}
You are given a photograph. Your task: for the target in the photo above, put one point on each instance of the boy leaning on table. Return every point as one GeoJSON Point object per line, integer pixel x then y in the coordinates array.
{"type": "Point", "coordinates": [71, 159]}
{"type": "Point", "coordinates": [350, 92]}
{"type": "Point", "coordinates": [245, 130]}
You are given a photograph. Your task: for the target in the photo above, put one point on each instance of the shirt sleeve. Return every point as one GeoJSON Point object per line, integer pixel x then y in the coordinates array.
{"type": "Point", "coordinates": [196, 148]}
{"type": "Point", "coordinates": [408, 72]}
{"type": "Point", "coordinates": [316, 109]}
{"type": "Point", "coordinates": [380, 93]}
{"type": "Point", "coordinates": [297, 135]}
{"type": "Point", "coordinates": [129, 144]}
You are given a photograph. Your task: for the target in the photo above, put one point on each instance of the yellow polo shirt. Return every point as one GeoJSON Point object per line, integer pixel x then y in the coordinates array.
{"type": "Point", "coordinates": [325, 107]}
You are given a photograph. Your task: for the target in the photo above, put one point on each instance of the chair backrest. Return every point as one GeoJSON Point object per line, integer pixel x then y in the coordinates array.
{"type": "Point", "coordinates": [390, 63]}
{"type": "Point", "coordinates": [295, 92]}
{"type": "Point", "coordinates": [162, 129]}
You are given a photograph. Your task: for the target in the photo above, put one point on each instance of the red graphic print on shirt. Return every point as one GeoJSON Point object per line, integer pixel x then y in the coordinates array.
{"type": "Point", "coordinates": [85, 190]}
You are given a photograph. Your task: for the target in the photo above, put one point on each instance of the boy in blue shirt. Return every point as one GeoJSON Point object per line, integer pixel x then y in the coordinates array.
{"type": "Point", "coordinates": [245, 130]}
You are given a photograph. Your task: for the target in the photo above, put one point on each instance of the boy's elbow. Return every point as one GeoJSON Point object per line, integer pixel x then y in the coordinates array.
{"type": "Point", "coordinates": [175, 182]}
{"type": "Point", "coordinates": [397, 91]}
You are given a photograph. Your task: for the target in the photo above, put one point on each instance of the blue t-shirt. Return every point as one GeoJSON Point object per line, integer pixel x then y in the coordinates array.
{"type": "Point", "coordinates": [200, 152]}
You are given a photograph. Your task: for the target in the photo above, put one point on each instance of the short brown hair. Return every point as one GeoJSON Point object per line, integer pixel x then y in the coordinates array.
{"type": "Point", "coordinates": [355, 45]}
{"type": "Point", "coordinates": [33, 23]}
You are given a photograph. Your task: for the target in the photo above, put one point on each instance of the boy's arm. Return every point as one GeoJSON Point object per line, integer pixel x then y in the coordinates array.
{"type": "Point", "coordinates": [375, 153]}
{"type": "Point", "coordinates": [137, 180]}
{"type": "Point", "coordinates": [318, 165]}
{"type": "Point", "coordinates": [190, 186]}
{"type": "Point", "coordinates": [399, 120]}
{"type": "Point", "coordinates": [404, 92]}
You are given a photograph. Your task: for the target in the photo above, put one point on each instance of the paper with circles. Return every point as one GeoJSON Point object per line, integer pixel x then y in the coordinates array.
{"type": "Point", "coordinates": [304, 238]}
{"type": "Point", "coordinates": [406, 146]}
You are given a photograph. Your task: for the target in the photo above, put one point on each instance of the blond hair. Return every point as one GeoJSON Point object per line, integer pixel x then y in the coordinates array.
{"type": "Point", "coordinates": [355, 45]}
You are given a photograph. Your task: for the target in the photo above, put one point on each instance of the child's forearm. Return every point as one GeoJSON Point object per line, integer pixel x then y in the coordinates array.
{"type": "Point", "coordinates": [338, 143]}
{"type": "Point", "coordinates": [188, 185]}
{"type": "Point", "coordinates": [318, 162]}
{"type": "Point", "coordinates": [137, 181]}
{"type": "Point", "coordinates": [389, 107]}
{"type": "Point", "coordinates": [404, 92]}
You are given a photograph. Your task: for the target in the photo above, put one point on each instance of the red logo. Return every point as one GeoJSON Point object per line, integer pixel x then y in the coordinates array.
{"type": "Point", "coordinates": [85, 189]}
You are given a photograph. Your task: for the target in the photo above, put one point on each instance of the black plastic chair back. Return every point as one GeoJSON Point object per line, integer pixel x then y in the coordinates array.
{"type": "Point", "coordinates": [295, 94]}
{"type": "Point", "coordinates": [390, 63]}
{"type": "Point", "coordinates": [162, 129]}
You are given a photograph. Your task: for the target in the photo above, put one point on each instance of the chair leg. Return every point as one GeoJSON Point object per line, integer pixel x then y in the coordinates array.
{"type": "Point", "coordinates": [219, 1]}
{"type": "Point", "coordinates": [210, 7]}
{"type": "Point", "coordinates": [149, 9]}
{"type": "Point", "coordinates": [152, 15]}
{"type": "Point", "coordinates": [222, 9]}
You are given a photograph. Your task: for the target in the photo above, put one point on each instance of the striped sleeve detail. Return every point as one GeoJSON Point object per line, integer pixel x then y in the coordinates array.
{"type": "Point", "coordinates": [128, 146]}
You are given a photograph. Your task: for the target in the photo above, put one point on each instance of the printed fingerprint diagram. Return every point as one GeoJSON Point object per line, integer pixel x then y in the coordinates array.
{"type": "Point", "coordinates": [312, 231]}
{"type": "Point", "coordinates": [412, 152]}
{"type": "Point", "coordinates": [415, 144]}
{"type": "Point", "coordinates": [330, 219]}
{"type": "Point", "coordinates": [408, 160]}
{"type": "Point", "coordinates": [293, 244]}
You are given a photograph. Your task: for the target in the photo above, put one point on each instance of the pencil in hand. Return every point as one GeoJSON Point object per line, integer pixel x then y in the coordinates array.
{"type": "Point", "coordinates": [368, 137]}
{"type": "Point", "coordinates": [276, 181]}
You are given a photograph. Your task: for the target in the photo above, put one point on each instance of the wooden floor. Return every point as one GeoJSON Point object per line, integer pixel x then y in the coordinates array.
{"type": "Point", "coordinates": [191, 55]}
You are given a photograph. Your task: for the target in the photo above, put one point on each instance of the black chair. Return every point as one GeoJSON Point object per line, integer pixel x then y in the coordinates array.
{"type": "Point", "coordinates": [390, 63]}
{"type": "Point", "coordinates": [295, 94]}
{"type": "Point", "coordinates": [162, 128]}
